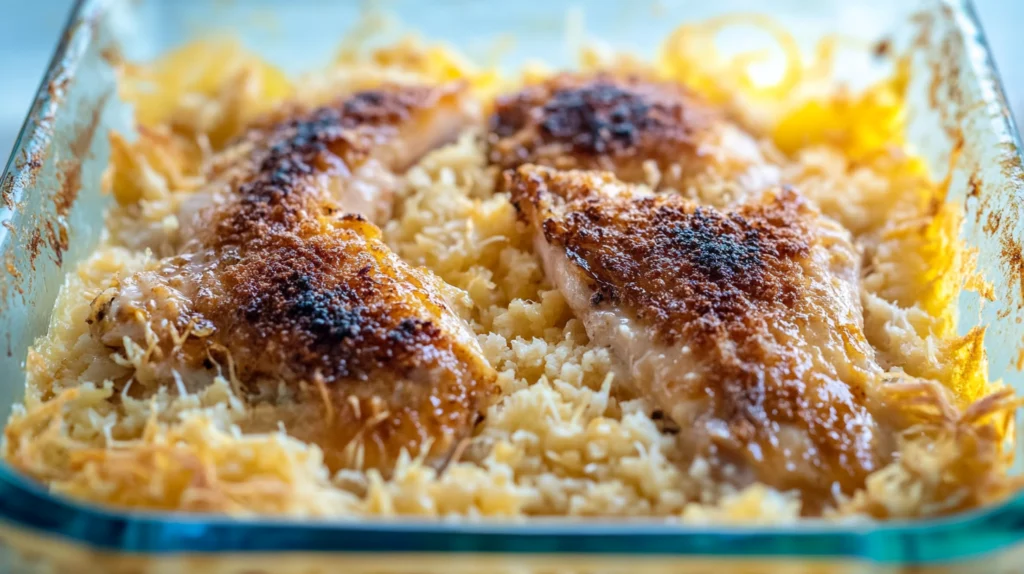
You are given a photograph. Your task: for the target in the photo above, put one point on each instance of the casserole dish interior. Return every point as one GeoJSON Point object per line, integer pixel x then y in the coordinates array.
{"type": "Point", "coordinates": [52, 210]}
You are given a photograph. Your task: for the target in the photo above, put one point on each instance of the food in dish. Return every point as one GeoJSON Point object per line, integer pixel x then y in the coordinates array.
{"type": "Point", "coordinates": [405, 285]}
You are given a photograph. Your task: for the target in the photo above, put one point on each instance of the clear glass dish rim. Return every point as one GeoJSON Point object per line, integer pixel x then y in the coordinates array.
{"type": "Point", "coordinates": [26, 505]}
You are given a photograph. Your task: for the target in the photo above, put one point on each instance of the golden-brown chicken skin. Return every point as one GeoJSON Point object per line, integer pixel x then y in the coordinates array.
{"type": "Point", "coordinates": [742, 324]}
{"type": "Point", "coordinates": [644, 131]}
{"type": "Point", "coordinates": [279, 285]}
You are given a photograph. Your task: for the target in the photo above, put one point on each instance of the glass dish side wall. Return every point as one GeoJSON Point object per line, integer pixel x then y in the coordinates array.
{"type": "Point", "coordinates": [66, 134]}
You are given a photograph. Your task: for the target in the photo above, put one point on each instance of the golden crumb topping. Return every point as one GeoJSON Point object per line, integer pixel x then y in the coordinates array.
{"type": "Point", "coordinates": [750, 302]}
{"type": "Point", "coordinates": [296, 292]}
{"type": "Point", "coordinates": [599, 122]}
{"type": "Point", "coordinates": [688, 270]}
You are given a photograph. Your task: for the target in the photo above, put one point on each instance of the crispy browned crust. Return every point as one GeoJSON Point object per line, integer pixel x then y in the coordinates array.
{"type": "Point", "coordinates": [300, 295]}
{"type": "Point", "coordinates": [332, 306]}
{"type": "Point", "coordinates": [689, 271]}
{"type": "Point", "coordinates": [599, 122]}
{"type": "Point", "coordinates": [331, 140]}
{"type": "Point", "coordinates": [733, 286]}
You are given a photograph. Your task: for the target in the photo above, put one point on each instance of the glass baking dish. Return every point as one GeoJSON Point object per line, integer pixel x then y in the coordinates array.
{"type": "Point", "coordinates": [52, 214]}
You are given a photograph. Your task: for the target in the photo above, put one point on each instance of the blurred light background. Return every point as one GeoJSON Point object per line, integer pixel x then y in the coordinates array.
{"type": "Point", "coordinates": [29, 30]}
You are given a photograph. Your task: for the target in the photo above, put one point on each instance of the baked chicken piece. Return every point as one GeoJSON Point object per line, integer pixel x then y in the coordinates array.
{"type": "Point", "coordinates": [644, 131]}
{"type": "Point", "coordinates": [741, 324]}
{"type": "Point", "coordinates": [284, 286]}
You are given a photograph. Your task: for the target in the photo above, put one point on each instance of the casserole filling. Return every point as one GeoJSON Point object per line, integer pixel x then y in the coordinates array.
{"type": "Point", "coordinates": [408, 286]}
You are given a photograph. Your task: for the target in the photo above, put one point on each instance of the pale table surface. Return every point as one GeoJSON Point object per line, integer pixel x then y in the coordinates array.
{"type": "Point", "coordinates": [29, 30]}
